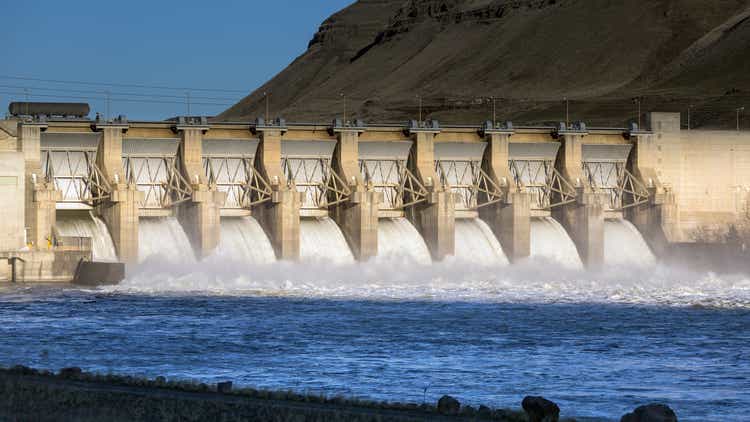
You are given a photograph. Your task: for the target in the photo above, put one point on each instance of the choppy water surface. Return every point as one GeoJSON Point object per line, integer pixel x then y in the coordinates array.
{"type": "Point", "coordinates": [596, 344]}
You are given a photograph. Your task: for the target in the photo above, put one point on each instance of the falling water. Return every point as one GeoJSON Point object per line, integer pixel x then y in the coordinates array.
{"type": "Point", "coordinates": [550, 240]}
{"type": "Point", "coordinates": [243, 240]}
{"type": "Point", "coordinates": [88, 225]}
{"type": "Point", "coordinates": [163, 237]}
{"type": "Point", "coordinates": [321, 239]}
{"type": "Point", "coordinates": [476, 243]}
{"type": "Point", "coordinates": [624, 245]}
{"type": "Point", "coordinates": [398, 239]}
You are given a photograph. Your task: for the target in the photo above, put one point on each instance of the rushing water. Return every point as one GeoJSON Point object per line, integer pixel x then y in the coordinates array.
{"type": "Point", "coordinates": [243, 240]}
{"type": "Point", "coordinates": [85, 224]}
{"type": "Point", "coordinates": [598, 344]}
{"type": "Point", "coordinates": [162, 238]}
{"type": "Point", "coordinates": [321, 239]}
{"type": "Point", "coordinates": [550, 241]}
{"type": "Point", "coordinates": [398, 240]}
{"type": "Point", "coordinates": [476, 243]}
{"type": "Point", "coordinates": [624, 245]}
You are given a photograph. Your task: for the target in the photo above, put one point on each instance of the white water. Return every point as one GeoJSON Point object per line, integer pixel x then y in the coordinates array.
{"type": "Point", "coordinates": [550, 241]}
{"type": "Point", "coordinates": [243, 240]}
{"type": "Point", "coordinates": [88, 225]}
{"type": "Point", "coordinates": [162, 238]}
{"type": "Point", "coordinates": [321, 239]}
{"type": "Point", "coordinates": [476, 243]}
{"type": "Point", "coordinates": [398, 240]}
{"type": "Point", "coordinates": [624, 245]}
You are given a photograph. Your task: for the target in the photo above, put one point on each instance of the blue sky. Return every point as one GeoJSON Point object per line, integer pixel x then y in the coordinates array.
{"type": "Point", "coordinates": [223, 45]}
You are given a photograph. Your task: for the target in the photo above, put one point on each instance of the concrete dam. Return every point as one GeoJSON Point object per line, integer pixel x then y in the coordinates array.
{"type": "Point", "coordinates": [186, 190]}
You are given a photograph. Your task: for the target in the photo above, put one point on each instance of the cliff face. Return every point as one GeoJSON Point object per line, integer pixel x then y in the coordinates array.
{"type": "Point", "coordinates": [528, 54]}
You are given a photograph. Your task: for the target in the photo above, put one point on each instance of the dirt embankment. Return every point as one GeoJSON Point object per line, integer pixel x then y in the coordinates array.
{"type": "Point", "coordinates": [528, 54]}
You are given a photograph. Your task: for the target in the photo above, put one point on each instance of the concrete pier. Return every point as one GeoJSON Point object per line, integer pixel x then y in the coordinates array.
{"type": "Point", "coordinates": [120, 210]}
{"type": "Point", "coordinates": [358, 216]}
{"type": "Point", "coordinates": [435, 217]}
{"type": "Point", "coordinates": [279, 217]}
{"type": "Point", "coordinates": [40, 195]}
{"type": "Point", "coordinates": [200, 216]}
{"type": "Point", "coordinates": [584, 218]}
{"type": "Point", "coordinates": [509, 219]}
{"type": "Point", "coordinates": [656, 219]}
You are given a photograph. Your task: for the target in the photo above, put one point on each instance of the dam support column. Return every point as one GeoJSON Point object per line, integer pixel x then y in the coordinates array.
{"type": "Point", "coordinates": [509, 219]}
{"type": "Point", "coordinates": [280, 215]}
{"type": "Point", "coordinates": [40, 197]}
{"type": "Point", "coordinates": [435, 218]}
{"type": "Point", "coordinates": [120, 210]}
{"type": "Point", "coordinates": [357, 216]}
{"type": "Point", "coordinates": [200, 216]}
{"type": "Point", "coordinates": [584, 218]}
{"type": "Point", "coordinates": [656, 219]}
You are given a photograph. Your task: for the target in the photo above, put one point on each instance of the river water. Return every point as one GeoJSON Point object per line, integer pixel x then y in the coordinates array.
{"type": "Point", "coordinates": [597, 344]}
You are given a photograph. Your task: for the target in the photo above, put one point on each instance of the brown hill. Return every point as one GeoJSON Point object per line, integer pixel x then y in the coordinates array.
{"type": "Point", "coordinates": [528, 54]}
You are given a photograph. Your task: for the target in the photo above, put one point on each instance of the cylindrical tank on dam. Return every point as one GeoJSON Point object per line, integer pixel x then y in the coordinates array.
{"type": "Point", "coordinates": [476, 243]}
{"type": "Point", "coordinates": [550, 241]}
{"type": "Point", "coordinates": [399, 240]}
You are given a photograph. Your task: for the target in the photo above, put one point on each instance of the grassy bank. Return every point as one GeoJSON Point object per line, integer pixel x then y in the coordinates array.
{"type": "Point", "coordinates": [29, 394]}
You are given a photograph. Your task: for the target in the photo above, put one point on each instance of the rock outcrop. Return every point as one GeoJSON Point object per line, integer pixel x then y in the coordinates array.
{"type": "Point", "coordinates": [529, 54]}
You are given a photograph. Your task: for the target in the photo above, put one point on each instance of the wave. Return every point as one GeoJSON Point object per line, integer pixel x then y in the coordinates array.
{"type": "Point", "coordinates": [536, 281]}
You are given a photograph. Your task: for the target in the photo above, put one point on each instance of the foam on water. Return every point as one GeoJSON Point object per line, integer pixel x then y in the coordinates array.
{"type": "Point", "coordinates": [476, 243]}
{"type": "Point", "coordinates": [88, 225]}
{"type": "Point", "coordinates": [321, 239]}
{"type": "Point", "coordinates": [624, 245]}
{"type": "Point", "coordinates": [398, 240]}
{"type": "Point", "coordinates": [243, 240]}
{"type": "Point", "coordinates": [550, 241]}
{"type": "Point", "coordinates": [162, 238]}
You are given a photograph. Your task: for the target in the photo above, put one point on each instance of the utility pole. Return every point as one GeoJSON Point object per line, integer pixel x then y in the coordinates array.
{"type": "Point", "coordinates": [106, 105]}
{"type": "Point", "coordinates": [494, 112]}
{"type": "Point", "coordinates": [739, 111]}
{"type": "Point", "coordinates": [265, 96]}
{"type": "Point", "coordinates": [187, 99]}
{"type": "Point", "coordinates": [419, 98]}
{"type": "Point", "coordinates": [690, 108]}
{"type": "Point", "coordinates": [567, 112]}
{"type": "Point", "coordinates": [344, 97]}
{"type": "Point", "coordinates": [637, 101]}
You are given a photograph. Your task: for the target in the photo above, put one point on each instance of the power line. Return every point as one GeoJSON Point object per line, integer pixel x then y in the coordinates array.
{"type": "Point", "coordinates": [59, 81]}
{"type": "Point", "coordinates": [130, 94]}
{"type": "Point", "coordinates": [121, 100]}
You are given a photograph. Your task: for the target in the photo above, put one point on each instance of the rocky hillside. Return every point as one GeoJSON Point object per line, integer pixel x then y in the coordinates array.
{"type": "Point", "coordinates": [528, 54]}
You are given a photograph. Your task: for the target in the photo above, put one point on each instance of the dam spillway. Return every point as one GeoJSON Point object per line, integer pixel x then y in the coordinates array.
{"type": "Point", "coordinates": [163, 238]}
{"type": "Point", "coordinates": [398, 240]}
{"type": "Point", "coordinates": [85, 224]}
{"type": "Point", "coordinates": [551, 242]}
{"type": "Point", "coordinates": [243, 240]}
{"type": "Point", "coordinates": [476, 243]}
{"type": "Point", "coordinates": [625, 246]}
{"type": "Point", "coordinates": [322, 240]}
{"type": "Point", "coordinates": [258, 192]}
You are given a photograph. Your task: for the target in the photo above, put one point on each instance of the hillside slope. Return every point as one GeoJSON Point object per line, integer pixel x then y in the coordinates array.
{"type": "Point", "coordinates": [528, 54]}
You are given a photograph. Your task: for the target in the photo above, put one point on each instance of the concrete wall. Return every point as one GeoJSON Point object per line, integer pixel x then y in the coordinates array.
{"type": "Point", "coordinates": [708, 172]}
{"type": "Point", "coordinates": [12, 184]}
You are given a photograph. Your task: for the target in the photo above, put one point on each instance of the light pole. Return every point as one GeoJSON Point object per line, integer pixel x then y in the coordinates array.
{"type": "Point", "coordinates": [637, 101]}
{"type": "Point", "coordinates": [344, 97]}
{"type": "Point", "coordinates": [265, 96]}
{"type": "Point", "coordinates": [739, 110]}
{"type": "Point", "coordinates": [567, 112]}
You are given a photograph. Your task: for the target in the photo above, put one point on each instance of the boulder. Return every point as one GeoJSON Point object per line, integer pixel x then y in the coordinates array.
{"type": "Point", "coordinates": [539, 409]}
{"type": "Point", "coordinates": [651, 413]}
{"type": "Point", "coordinates": [71, 372]}
{"type": "Point", "coordinates": [447, 405]}
{"type": "Point", "coordinates": [224, 387]}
